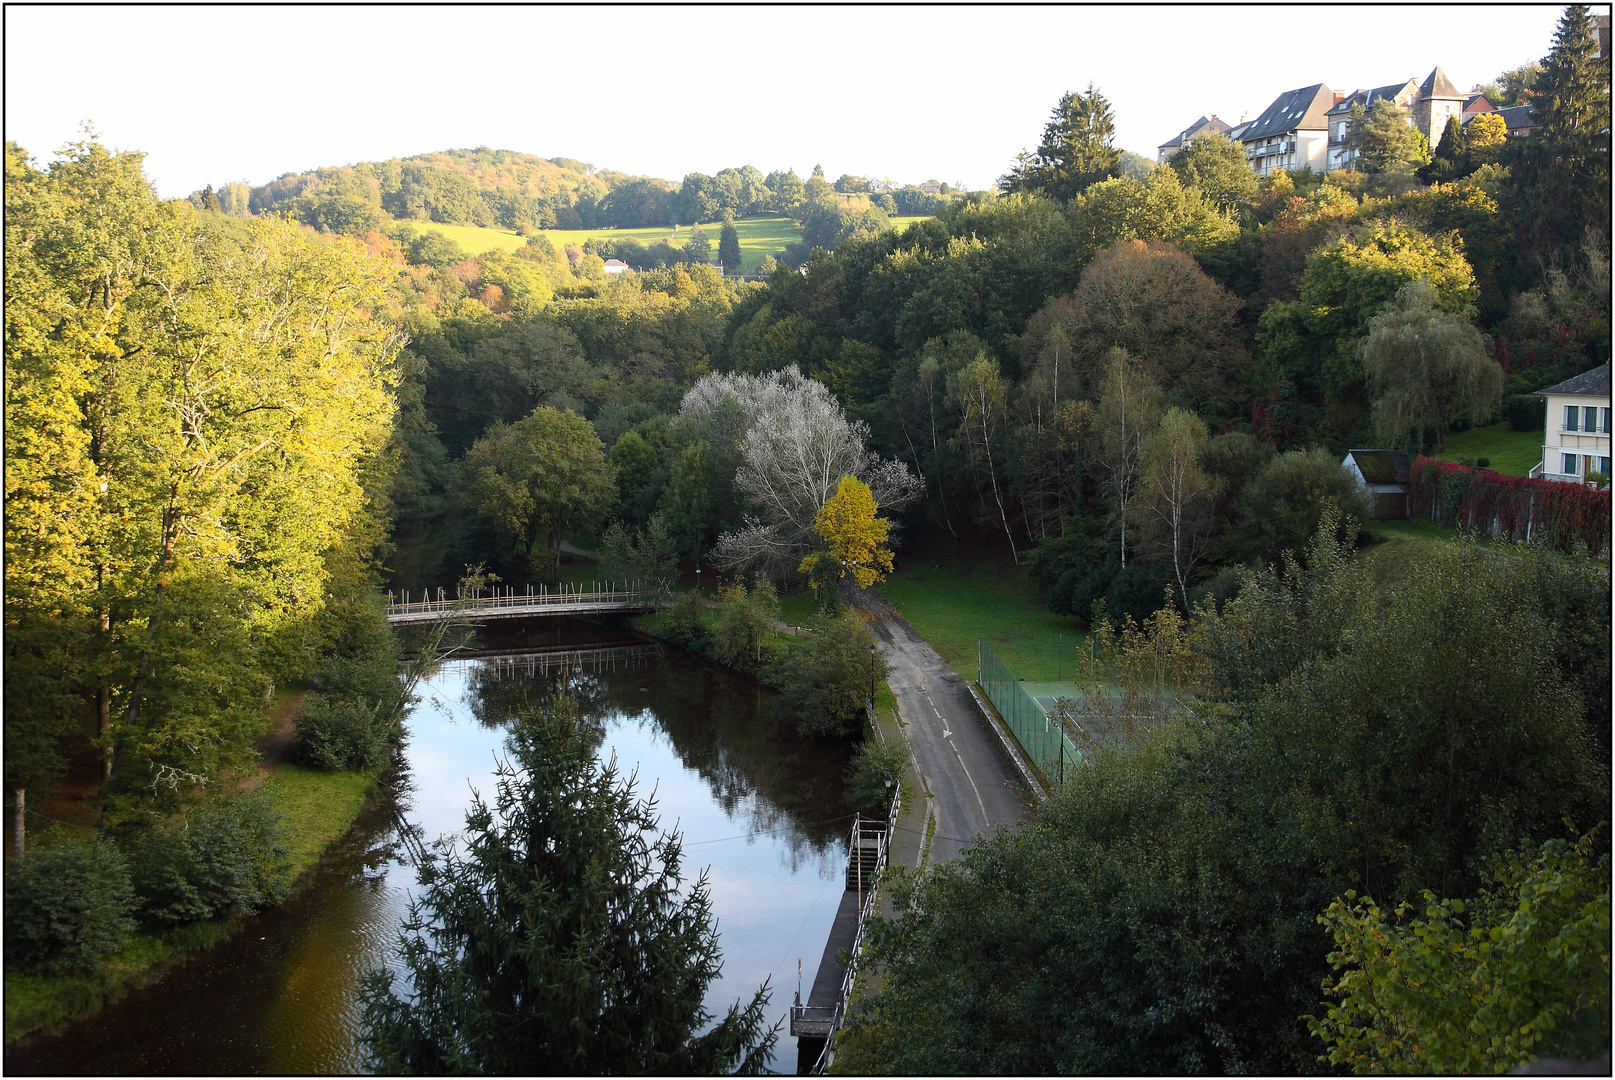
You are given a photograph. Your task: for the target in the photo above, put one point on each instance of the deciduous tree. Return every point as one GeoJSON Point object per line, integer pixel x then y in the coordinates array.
{"type": "Point", "coordinates": [1426, 368]}
{"type": "Point", "coordinates": [1175, 494]}
{"type": "Point", "coordinates": [1129, 408]}
{"type": "Point", "coordinates": [854, 537]}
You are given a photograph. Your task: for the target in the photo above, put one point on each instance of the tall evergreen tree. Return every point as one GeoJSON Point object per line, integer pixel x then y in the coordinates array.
{"type": "Point", "coordinates": [557, 939]}
{"type": "Point", "coordinates": [1451, 158]}
{"type": "Point", "coordinates": [1561, 174]}
{"type": "Point", "coordinates": [1076, 150]}
{"type": "Point", "coordinates": [729, 247]}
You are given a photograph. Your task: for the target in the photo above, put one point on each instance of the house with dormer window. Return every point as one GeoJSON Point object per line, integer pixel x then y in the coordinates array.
{"type": "Point", "coordinates": [1291, 133]}
{"type": "Point", "coordinates": [1203, 126]}
{"type": "Point", "coordinates": [1405, 94]}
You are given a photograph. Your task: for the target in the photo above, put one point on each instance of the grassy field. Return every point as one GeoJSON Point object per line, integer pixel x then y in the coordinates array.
{"type": "Point", "coordinates": [951, 610]}
{"type": "Point", "coordinates": [1510, 452]}
{"type": "Point", "coordinates": [318, 807]}
{"type": "Point", "coordinates": [759, 236]}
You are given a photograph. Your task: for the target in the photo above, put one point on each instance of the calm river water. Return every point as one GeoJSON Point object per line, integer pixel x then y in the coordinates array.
{"type": "Point", "coordinates": [759, 806]}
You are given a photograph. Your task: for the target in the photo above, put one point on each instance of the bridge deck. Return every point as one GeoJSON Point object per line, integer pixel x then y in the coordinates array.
{"type": "Point", "coordinates": [510, 604]}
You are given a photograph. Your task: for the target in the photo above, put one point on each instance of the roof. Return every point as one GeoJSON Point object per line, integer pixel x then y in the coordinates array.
{"type": "Point", "coordinates": [1237, 132]}
{"type": "Point", "coordinates": [1594, 383]}
{"type": "Point", "coordinates": [1469, 102]}
{"type": "Point", "coordinates": [1293, 109]}
{"type": "Point", "coordinates": [1366, 98]}
{"type": "Point", "coordinates": [1381, 466]}
{"type": "Point", "coordinates": [1518, 116]}
{"type": "Point", "coordinates": [1436, 84]}
{"type": "Point", "coordinates": [1199, 127]}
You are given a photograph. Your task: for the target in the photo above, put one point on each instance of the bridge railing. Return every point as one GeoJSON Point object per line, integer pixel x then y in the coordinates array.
{"type": "Point", "coordinates": [880, 833]}
{"type": "Point", "coordinates": [601, 594]}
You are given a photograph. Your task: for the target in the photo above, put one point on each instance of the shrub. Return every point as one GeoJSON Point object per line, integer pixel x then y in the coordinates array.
{"type": "Point", "coordinates": [872, 764]}
{"type": "Point", "coordinates": [684, 623]}
{"type": "Point", "coordinates": [352, 722]}
{"type": "Point", "coordinates": [222, 857]}
{"type": "Point", "coordinates": [744, 636]}
{"type": "Point", "coordinates": [1281, 507]}
{"type": "Point", "coordinates": [68, 905]}
{"type": "Point", "coordinates": [1526, 412]}
{"type": "Point", "coordinates": [824, 685]}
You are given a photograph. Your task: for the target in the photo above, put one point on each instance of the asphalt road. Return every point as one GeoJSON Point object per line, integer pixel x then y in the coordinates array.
{"type": "Point", "coordinates": [974, 788]}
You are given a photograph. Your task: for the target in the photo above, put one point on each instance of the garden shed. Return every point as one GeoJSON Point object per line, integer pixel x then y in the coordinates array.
{"type": "Point", "coordinates": [1383, 475]}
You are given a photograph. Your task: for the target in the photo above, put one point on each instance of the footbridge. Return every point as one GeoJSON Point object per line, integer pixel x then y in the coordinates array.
{"type": "Point", "coordinates": [531, 601]}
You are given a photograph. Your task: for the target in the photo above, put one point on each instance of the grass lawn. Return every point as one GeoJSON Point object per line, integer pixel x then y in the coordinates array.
{"type": "Point", "coordinates": [318, 807]}
{"type": "Point", "coordinates": [1510, 452]}
{"type": "Point", "coordinates": [759, 236]}
{"type": "Point", "coordinates": [951, 610]}
{"type": "Point", "coordinates": [473, 239]}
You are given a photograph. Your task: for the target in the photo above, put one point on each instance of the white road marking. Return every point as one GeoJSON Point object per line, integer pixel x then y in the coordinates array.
{"type": "Point", "coordinates": [972, 780]}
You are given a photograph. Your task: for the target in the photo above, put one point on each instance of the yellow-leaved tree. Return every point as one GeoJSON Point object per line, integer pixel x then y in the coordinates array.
{"type": "Point", "coordinates": [854, 538]}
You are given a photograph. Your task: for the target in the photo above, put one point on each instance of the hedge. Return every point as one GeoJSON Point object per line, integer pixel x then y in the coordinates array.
{"type": "Point", "coordinates": [1565, 516]}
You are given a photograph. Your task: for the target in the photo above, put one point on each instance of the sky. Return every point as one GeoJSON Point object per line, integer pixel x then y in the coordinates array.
{"type": "Point", "coordinates": [213, 95]}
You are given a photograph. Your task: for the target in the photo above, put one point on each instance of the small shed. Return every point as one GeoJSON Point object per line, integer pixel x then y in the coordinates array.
{"type": "Point", "coordinates": [1383, 475]}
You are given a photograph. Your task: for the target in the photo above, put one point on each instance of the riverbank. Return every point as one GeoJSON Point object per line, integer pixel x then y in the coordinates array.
{"type": "Point", "coordinates": [318, 809]}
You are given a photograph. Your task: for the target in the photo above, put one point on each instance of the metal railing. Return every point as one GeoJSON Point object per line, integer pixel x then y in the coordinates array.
{"type": "Point", "coordinates": [864, 833]}
{"type": "Point", "coordinates": [535, 599]}
{"type": "Point", "coordinates": [1044, 741]}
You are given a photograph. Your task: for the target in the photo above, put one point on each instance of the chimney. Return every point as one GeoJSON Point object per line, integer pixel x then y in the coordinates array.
{"type": "Point", "coordinates": [1339, 97]}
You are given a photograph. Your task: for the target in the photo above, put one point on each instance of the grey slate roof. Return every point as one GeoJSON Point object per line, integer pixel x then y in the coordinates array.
{"type": "Point", "coordinates": [1436, 84]}
{"type": "Point", "coordinates": [1382, 466]}
{"type": "Point", "coordinates": [1518, 116]}
{"type": "Point", "coordinates": [1366, 98]}
{"type": "Point", "coordinates": [1303, 109]}
{"type": "Point", "coordinates": [1199, 127]}
{"type": "Point", "coordinates": [1594, 383]}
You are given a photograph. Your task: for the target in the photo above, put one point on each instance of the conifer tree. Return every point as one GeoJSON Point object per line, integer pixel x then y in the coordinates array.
{"type": "Point", "coordinates": [729, 247]}
{"type": "Point", "coordinates": [556, 940]}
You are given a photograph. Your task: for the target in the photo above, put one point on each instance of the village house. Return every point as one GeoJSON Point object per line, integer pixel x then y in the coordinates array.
{"type": "Point", "coordinates": [1576, 440]}
{"type": "Point", "coordinates": [1475, 104]}
{"type": "Point", "coordinates": [1521, 120]}
{"type": "Point", "coordinates": [1429, 106]}
{"type": "Point", "coordinates": [1203, 126]}
{"type": "Point", "coordinates": [1291, 133]}
{"type": "Point", "coordinates": [617, 266]}
{"type": "Point", "coordinates": [1404, 94]}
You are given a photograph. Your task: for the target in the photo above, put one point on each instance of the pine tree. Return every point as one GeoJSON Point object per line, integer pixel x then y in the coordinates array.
{"type": "Point", "coordinates": [1451, 159]}
{"type": "Point", "coordinates": [1561, 174]}
{"type": "Point", "coordinates": [729, 247]}
{"type": "Point", "coordinates": [1076, 150]}
{"type": "Point", "coordinates": [556, 940]}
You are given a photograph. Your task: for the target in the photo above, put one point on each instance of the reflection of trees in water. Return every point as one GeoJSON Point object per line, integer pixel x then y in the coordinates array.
{"type": "Point", "coordinates": [767, 778]}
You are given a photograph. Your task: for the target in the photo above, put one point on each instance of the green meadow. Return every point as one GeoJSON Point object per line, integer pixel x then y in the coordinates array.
{"type": "Point", "coordinates": [759, 236]}
{"type": "Point", "coordinates": [1510, 452]}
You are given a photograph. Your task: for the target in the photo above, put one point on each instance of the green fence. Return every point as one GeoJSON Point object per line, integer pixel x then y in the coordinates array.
{"type": "Point", "coordinates": [1040, 737]}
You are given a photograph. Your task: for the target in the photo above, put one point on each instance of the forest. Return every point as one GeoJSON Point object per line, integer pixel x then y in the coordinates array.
{"type": "Point", "coordinates": [234, 421]}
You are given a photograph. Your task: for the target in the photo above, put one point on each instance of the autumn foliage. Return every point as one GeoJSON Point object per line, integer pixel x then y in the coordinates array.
{"type": "Point", "coordinates": [1567, 517]}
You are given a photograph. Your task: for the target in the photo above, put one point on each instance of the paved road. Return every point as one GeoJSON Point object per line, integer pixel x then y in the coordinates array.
{"type": "Point", "coordinates": [974, 788]}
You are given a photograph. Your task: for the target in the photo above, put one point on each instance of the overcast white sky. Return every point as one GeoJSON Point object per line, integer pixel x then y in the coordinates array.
{"type": "Point", "coordinates": [912, 93]}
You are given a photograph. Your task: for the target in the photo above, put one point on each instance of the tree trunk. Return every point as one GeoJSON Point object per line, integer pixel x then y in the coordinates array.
{"type": "Point", "coordinates": [105, 702]}
{"type": "Point", "coordinates": [20, 830]}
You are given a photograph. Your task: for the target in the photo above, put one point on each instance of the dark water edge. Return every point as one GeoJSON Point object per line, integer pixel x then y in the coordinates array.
{"type": "Point", "coordinates": [754, 801]}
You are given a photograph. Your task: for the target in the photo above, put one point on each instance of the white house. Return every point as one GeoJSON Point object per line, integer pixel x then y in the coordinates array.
{"type": "Point", "coordinates": [1576, 441]}
{"type": "Point", "coordinates": [617, 266]}
{"type": "Point", "coordinates": [1291, 133]}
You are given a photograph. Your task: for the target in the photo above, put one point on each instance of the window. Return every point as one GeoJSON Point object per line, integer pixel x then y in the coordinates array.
{"type": "Point", "coordinates": [1589, 419]}
{"type": "Point", "coordinates": [1603, 465]}
{"type": "Point", "coordinates": [1569, 463]}
{"type": "Point", "coordinates": [1571, 413]}
{"type": "Point", "coordinates": [1603, 425]}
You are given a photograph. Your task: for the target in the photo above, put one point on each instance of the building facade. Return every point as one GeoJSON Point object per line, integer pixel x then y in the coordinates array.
{"type": "Point", "coordinates": [1206, 125]}
{"type": "Point", "coordinates": [1405, 94]}
{"type": "Point", "coordinates": [1291, 133]}
{"type": "Point", "coordinates": [1576, 439]}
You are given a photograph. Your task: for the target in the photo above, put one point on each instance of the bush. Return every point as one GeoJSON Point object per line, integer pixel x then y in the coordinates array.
{"type": "Point", "coordinates": [744, 636]}
{"type": "Point", "coordinates": [352, 722]}
{"type": "Point", "coordinates": [1526, 412]}
{"type": "Point", "coordinates": [873, 763]}
{"type": "Point", "coordinates": [68, 905]}
{"type": "Point", "coordinates": [823, 686]}
{"type": "Point", "coordinates": [684, 623]}
{"type": "Point", "coordinates": [1281, 507]}
{"type": "Point", "coordinates": [223, 857]}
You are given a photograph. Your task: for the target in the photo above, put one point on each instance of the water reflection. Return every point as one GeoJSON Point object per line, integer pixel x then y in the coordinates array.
{"type": "Point", "coordinates": [758, 805]}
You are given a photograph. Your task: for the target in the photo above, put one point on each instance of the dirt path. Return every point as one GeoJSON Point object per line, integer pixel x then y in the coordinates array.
{"type": "Point", "coordinates": [276, 747]}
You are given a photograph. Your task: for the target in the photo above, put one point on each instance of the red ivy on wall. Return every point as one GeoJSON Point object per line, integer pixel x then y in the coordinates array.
{"type": "Point", "coordinates": [1565, 516]}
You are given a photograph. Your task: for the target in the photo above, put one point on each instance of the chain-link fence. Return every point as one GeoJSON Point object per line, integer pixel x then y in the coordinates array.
{"type": "Point", "coordinates": [1042, 739]}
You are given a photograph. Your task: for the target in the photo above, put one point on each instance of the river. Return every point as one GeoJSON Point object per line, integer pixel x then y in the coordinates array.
{"type": "Point", "coordinates": [758, 806]}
